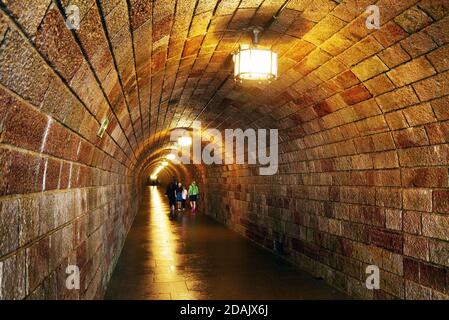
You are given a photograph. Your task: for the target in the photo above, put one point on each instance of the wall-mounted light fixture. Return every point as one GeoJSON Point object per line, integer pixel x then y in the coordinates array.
{"type": "Point", "coordinates": [254, 63]}
{"type": "Point", "coordinates": [103, 127]}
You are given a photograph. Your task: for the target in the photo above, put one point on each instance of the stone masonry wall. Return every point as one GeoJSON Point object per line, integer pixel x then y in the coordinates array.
{"type": "Point", "coordinates": [363, 176]}
{"type": "Point", "coordinates": [67, 197]}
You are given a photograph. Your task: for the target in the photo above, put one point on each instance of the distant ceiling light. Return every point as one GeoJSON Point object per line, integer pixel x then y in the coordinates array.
{"type": "Point", "coordinates": [185, 141]}
{"type": "Point", "coordinates": [170, 156]}
{"type": "Point", "coordinates": [153, 177]}
{"type": "Point", "coordinates": [164, 163]}
{"type": "Point", "coordinates": [254, 63]}
{"type": "Point", "coordinates": [156, 172]}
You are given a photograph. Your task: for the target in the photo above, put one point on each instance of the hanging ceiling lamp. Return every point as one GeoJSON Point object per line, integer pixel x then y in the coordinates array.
{"type": "Point", "coordinates": [255, 63]}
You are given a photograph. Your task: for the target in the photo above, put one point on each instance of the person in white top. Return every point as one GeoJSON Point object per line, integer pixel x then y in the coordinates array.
{"type": "Point", "coordinates": [184, 198]}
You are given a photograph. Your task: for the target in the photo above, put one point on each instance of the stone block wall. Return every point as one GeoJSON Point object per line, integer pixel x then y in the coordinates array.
{"type": "Point", "coordinates": [364, 156]}
{"type": "Point", "coordinates": [67, 197]}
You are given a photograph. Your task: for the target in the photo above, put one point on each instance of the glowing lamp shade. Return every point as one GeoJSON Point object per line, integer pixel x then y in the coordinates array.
{"type": "Point", "coordinates": [255, 64]}
{"type": "Point", "coordinates": [185, 141]}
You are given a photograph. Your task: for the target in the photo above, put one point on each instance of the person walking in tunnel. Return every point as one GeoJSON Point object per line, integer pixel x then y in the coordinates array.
{"type": "Point", "coordinates": [179, 195]}
{"type": "Point", "coordinates": [193, 195]}
{"type": "Point", "coordinates": [171, 195]}
{"type": "Point", "coordinates": [184, 198]}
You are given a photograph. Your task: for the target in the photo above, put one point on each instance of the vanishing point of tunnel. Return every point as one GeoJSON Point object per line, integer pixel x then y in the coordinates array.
{"type": "Point", "coordinates": [353, 96]}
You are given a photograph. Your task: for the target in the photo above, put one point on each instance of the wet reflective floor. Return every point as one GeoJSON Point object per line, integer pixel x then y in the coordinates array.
{"type": "Point", "coordinates": [194, 257]}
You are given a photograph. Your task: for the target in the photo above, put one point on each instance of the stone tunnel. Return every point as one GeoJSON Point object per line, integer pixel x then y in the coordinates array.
{"type": "Point", "coordinates": [361, 111]}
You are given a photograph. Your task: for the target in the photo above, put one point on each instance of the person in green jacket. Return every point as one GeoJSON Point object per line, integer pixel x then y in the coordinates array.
{"type": "Point", "coordinates": [193, 195]}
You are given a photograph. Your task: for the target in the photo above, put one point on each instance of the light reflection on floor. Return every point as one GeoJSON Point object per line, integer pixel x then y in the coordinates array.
{"type": "Point", "coordinates": [193, 257]}
{"type": "Point", "coordinates": [164, 250]}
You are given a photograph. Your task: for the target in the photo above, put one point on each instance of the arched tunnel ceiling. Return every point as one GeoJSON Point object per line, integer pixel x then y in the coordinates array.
{"type": "Point", "coordinates": [154, 65]}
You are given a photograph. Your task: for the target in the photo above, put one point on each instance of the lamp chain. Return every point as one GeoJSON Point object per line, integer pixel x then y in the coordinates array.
{"type": "Point", "coordinates": [256, 33]}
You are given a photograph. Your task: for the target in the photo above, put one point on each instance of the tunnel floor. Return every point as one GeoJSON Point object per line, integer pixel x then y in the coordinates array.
{"type": "Point", "coordinates": [194, 257]}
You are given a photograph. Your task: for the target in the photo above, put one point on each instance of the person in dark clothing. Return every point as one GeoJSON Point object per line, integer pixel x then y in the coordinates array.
{"type": "Point", "coordinates": [171, 195]}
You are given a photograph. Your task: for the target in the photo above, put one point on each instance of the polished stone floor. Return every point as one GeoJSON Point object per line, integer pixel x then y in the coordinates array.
{"type": "Point", "coordinates": [194, 257]}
